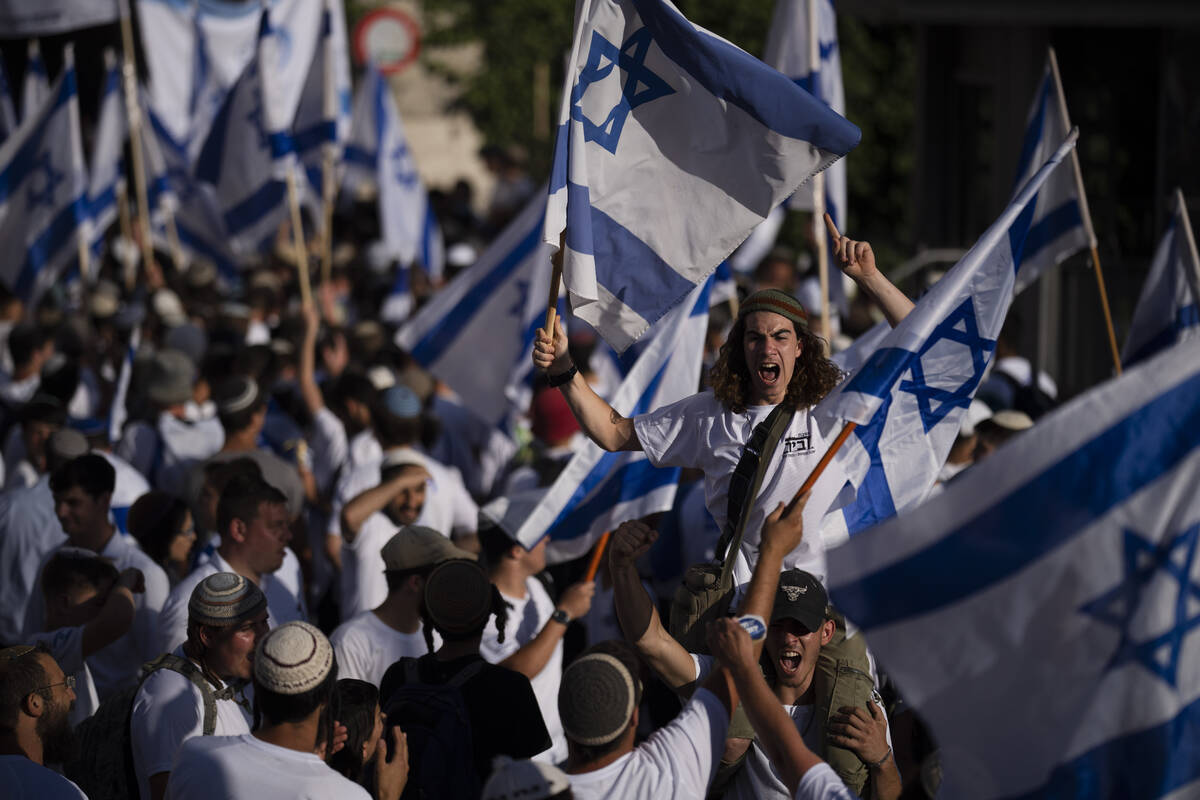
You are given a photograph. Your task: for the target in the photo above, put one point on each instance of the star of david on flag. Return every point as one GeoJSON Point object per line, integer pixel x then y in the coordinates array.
{"type": "Point", "coordinates": [1053, 591]}
{"type": "Point", "coordinates": [909, 395]}
{"type": "Point", "coordinates": [672, 146]}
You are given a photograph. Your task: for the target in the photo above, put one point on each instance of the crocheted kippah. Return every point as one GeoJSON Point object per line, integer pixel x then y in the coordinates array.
{"type": "Point", "coordinates": [292, 659]}
{"type": "Point", "coordinates": [225, 598]}
{"type": "Point", "coordinates": [458, 596]}
{"type": "Point", "coordinates": [777, 302]}
{"type": "Point", "coordinates": [596, 699]}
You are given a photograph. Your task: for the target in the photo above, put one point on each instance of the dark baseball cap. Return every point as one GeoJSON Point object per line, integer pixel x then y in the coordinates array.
{"type": "Point", "coordinates": [801, 597]}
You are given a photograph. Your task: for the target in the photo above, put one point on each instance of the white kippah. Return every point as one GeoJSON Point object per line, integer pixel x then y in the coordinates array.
{"type": "Point", "coordinates": [292, 659]}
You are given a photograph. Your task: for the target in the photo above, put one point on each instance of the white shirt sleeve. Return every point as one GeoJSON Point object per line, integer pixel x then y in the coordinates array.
{"type": "Point", "coordinates": [669, 435]}
{"type": "Point", "coordinates": [167, 711]}
{"type": "Point", "coordinates": [330, 447]}
{"type": "Point", "coordinates": [691, 744]}
{"type": "Point", "coordinates": [150, 605]}
{"type": "Point", "coordinates": [822, 783]}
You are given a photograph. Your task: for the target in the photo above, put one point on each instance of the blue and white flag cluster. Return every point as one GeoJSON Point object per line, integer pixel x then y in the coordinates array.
{"type": "Point", "coordinates": [107, 163]}
{"type": "Point", "coordinates": [1061, 224]}
{"type": "Point", "coordinates": [597, 490]}
{"type": "Point", "coordinates": [655, 109]}
{"type": "Point", "coordinates": [36, 89]}
{"type": "Point", "coordinates": [477, 333]}
{"type": "Point", "coordinates": [910, 394]}
{"type": "Point", "coordinates": [23, 18]}
{"type": "Point", "coordinates": [378, 152]}
{"type": "Point", "coordinates": [43, 191]}
{"type": "Point", "coordinates": [1168, 310]}
{"type": "Point", "coordinates": [1043, 613]}
{"type": "Point", "coordinates": [323, 116]}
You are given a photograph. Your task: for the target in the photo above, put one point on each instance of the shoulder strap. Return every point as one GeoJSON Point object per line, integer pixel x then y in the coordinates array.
{"type": "Point", "coordinates": [411, 673]}
{"type": "Point", "coordinates": [746, 480]}
{"type": "Point", "coordinates": [466, 673]}
{"type": "Point", "coordinates": [190, 671]}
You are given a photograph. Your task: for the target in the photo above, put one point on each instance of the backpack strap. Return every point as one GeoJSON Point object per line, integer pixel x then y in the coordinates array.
{"type": "Point", "coordinates": [746, 480]}
{"type": "Point", "coordinates": [466, 673]}
{"type": "Point", "coordinates": [190, 671]}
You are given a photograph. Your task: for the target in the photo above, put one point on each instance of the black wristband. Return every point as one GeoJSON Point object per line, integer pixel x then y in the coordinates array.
{"type": "Point", "coordinates": [558, 380]}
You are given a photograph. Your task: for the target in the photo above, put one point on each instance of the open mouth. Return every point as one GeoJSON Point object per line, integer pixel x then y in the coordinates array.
{"type": "Point", "coordinates": [768, 373]}
{"type": "Point", "coordinates": [789, 662]}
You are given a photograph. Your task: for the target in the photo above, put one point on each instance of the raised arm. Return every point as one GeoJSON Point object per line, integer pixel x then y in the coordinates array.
{"type": "Point", "coordinates": [531, 658]}
{"type": "Point", "coordinates": [599, 420]}
{"type": "Point", "coordinates": [116, 616]}
{"type": "Point", "coordinates": [858, 261]}
{"type": "Point", "coordinates": [356, 512]}
{"type": "Point", "coordinates": [308, 362]}
{"type": "Point", "coordinates": [635, 609]}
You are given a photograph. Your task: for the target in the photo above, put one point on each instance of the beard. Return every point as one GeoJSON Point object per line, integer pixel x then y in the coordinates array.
{"type": "Point", "coordinates": [59, 743]}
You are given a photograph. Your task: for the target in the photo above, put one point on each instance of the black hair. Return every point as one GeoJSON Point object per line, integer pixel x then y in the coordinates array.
{"type": "Point", "coordinates": [241, 499]}
{"type": "Point", "coordinates": [65, 571]}
{"type": "Point", "coordinates": [499, 610]}
{"type": "Point", "coordinates": [357, 701]}
{"type": "Point", "coordinates": [156, 535]}
{"type": "Point", "coordinates": [19, 678]}
{"type": "Point", "coordinates": [495, 543]}
{"type": "Point", "coordinates": [219, 473]}
{"type": "Point", "coordinates": [273, 708]}
{"type": "Point", "coordinates": [393, 431]}
{"type": "Point", "coordinates": [24, 340]}
{"type": "Point", "coordinates": [90, 472]}
{"type": "Point", "coordinates": [396, 578]}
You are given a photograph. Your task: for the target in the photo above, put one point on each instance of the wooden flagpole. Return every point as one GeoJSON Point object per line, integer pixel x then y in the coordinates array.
{"type": "Point", "coordinates": [597, 556]}
{"type": "Point", "coordinates": [1086, 214]}
{"type": "Point", "coordinates": [811, 480]}
{"type": "Point", "coordinates": [1193, 274]}
{"type": "Point", "coordinates": [133, 112]}
{"type": "Point", "coordinates": [306, 299]}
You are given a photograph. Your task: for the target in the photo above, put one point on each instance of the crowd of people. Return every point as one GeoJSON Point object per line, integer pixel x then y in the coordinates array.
{"type": "Point", "coordinates": [253, 549]}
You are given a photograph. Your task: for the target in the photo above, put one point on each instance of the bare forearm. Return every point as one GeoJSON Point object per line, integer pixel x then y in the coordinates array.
{"type": "Point", "coordinates": [885, 781]}
{"type": "Point", "coordinates": [893, 302]}
{"type": "Point", "coordinates": [308, 374]}
{"type": "Point", "coordinates": [643, 629]}
{"type": "Point", "coordinates": [777, 734]}
{"type": "Point", "coordinates": [602, 424]}
{"type": "Point", "coordinates": [532, 658]}
{"type": "Point", "coordinates": [356, 512]}
{"type": "Point", "coordinates": [113, 621]}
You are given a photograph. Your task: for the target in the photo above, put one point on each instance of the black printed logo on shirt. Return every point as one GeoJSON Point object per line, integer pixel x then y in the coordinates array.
{"type": "Point", "coordinates": [797, 445]}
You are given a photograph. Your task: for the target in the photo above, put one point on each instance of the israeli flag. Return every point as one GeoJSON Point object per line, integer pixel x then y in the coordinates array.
{"type": "Point", "coordinates": [8, 115]}
{"type": "Point", "coordinates": [909, 395]}
{"type": "Point", "coordinates": [323, 116]}
{"type": "Point", "coordinates": [476, 334]}
{"type": "Point", "coordinates": [1061, 224]}
{"type": "Point", "coordinates": [117, 412]}
{"type": "Point", "coordinates": [672, 145]}
{"type": "Point", "coordinates": [1168, 310]}
{"type": "Point", "coordinates": [43, 191]}
{"type": "Point", "coordinates": [790, 43]}
{"type": "Point", "coordinates": [249, 150]}
{"type": "Point", "coordinates": [107, 162]}
{"type": "Point", "coordinates": [36, 89]}
{"type": "Point", "coordinates": [597, 491]}
{"type": "Point", "coordinates": [378, 153]}
{"type": "Point", "coordinates": [1042, 612]}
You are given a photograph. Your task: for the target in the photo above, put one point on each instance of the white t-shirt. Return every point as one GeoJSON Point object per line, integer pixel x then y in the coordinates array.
{"type": "Point", "coordinates": [29, 532]}
{"type": "Point", "coordinates": [66, 645]}
{"type": "Point", "coordinates": [24, 780]}
{"type": "Point", "coordinates": [366, 646]}
{"type": "Point", "coordinates": [284, 602]}
{"type": "Point", "coordinates": [237, 767]}
{"type": "Point", "coordinates": [167, 453]}
{"type": "Point", "coordinates": [698, 432]}
{"type": "Point", "coordinates": [677, 761]}
{"type": "Point", "coordinates": [129, 486]}
{"type": "Point", "coordinates": [330, 448]}
{"type": "Point", "coordinates": [167, 711]}
{"type": "Point", "coordinates": [526, 618]}
{"type": "Point", "coordinates": [822, 783]}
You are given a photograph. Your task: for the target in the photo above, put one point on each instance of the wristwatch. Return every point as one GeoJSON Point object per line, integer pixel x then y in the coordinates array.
{"type": "Point", "coordinates": [561, 617]}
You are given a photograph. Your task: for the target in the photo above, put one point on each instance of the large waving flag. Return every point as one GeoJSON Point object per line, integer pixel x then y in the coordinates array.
{"type": "Point", "coordinates": [323, 116]}
{"type": "Point", "coordinates": [1042, 613]}
{"type": "Point", "coordinates": [43, 191]}
{"type": "Point", "coordinates": [36, 89]}
{"type": "Point", "coordinates": [798, 27]}
{"type": "Point", "coordinates": [909, 395]}
{"type": "Point", "coordinates": [378, 152]}
{"type": "Point", "coordinates": [1168, 310]}
{"type": "Point", "coordinates": [476, 334]}
{"type": "Point", "coordinates": [672, 145]}
{"type": "Point", "coordinates": [1061, 224]}
{"type": "Point", "coordinates": [596, 491]}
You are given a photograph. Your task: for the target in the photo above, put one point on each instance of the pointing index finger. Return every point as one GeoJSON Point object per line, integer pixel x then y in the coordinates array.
{"type": "Point", "coordinates": [829, 226]}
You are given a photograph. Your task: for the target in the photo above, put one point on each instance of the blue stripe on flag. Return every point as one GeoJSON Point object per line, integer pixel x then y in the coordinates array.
{"type": "Point", "coordinates": [58, 234]}
{"type": "Point", "coordinates": [1142, 447]}
{"type": "Point", "coordinates": [1186, 317]}
{"type": "Point", "coordinates": [558, 171]}
{"type": "Point", "coordinates": [880, 373]}
{"type": "Point", "coordinates": [1053, 224]}
{"type": "Point", "coordinates": [625, 265]}
{"type": "Point", "coordinates": [105, 200]}
{"type": "Point", "coordinates": [873, 498]}
{"type": "Point", "coordinates": [212, 152]}
{"type": "Point", "coordinates": [314, 136]}
{"type": "Point", "coordinates": [439, 338]}
{"type": "Point", "coordinates": [1149, 763]}
{"type": "Point", "coordinates": [1033, 133]}
{"type": "Point", "coordinates": [739, 78]}
{"type": "Point", "coordinates": [359, 157]}
{"type": "Point", "coordinates": [267, 197]}
{"type": "Point", "coordinates": [24, 160]}
{"type": "Point", "coordinates": [633, 480]}
{"type": "Point", "coordinates": [1020, 231]}
{"type": "Point", "coordinates": [198, 244]}
{"type": "Point", "coordinates": [281, 144]}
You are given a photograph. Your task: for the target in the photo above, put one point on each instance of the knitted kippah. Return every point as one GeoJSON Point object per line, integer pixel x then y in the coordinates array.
{"type": "Point", "coordinates": [596, 699]}
{"type": "Point", "coordinates": [225, 598]}
{"type": "Point", "coordinates": [523, 780]}
{"type": "Point", "coordinates": [293, 659]}
{"type": "Point", "coordinates": [458, 596]}
{"type": "Point", "coordinates": [777, 302]}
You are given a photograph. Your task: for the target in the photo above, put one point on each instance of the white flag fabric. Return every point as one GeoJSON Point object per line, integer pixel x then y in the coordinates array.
{"type": "Point", "coordinates": [477, 333]}
{"type": "Point", "coordinates": [1041, 613]}
{"type": "Point", "coordinates": [107, 164]}
{"type": "Point", "coordinates": [911, 392]}
{"type": "Point", "coordinates": [1168, 310]}
{"type": "Point", "coordinates": [8, 113]}
{"type": "Point", "coordinates": [597, 490]}
{"type": "Point", "coordinates": [323, 116]}
{"type": "Point", "coordinates": [1061, 225]}
{"type": "Point", "coordinates": [118, 413]}
{"type": "Point", "coordinates": [36, 88]}
{"type": "Point", "coordinates": [672, 145]}
{"type": "Point", "coordinates": [43, 191]}
{"type": "Point", "coordinates": [789, 50]}
{"type": "Point", "coordinates": [378, 152]}
{"type": "Point", "coordinates": [22, 18]}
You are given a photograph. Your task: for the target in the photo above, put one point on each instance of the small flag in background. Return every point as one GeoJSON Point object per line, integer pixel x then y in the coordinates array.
{"type": "Point", "coordinates": [1168, 310]}
{"type": "Point", "coordinates": [107, 162]}
{"type": "Point", "coordinates": [654, 110]}
{"type": "Point", "coordinates": [8, 114]}
{"type": "Point", "coordinates": [36, 89]}
{"type": "Point", "coordinates": [1043, 613]}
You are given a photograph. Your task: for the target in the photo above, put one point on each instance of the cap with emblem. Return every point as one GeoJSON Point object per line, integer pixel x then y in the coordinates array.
{"type": "Point", "coordinates": [415, 546]}
{"type": "Point", "coordinates": [293, 659]}
{"type": "Point", "coordinates": [225, 598]}
{"type": "Point", "coordinates": [801, 597]}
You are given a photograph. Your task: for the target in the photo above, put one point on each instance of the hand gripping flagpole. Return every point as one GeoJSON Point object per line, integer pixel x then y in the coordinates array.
{"type": "Point", "coordinates": [1086, 214]}
{"type": "Point", "coordinates": [133, 111]}
{"type": "Point", "coordinates": [555, 280]}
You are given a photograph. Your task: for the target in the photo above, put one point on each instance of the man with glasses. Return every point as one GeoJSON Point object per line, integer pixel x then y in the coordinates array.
{"type": "Point", "coordinates": [35, 699]}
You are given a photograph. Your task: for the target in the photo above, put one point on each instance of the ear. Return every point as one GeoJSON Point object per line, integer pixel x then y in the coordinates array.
{"type": "Point", "coordinates": [34, 705]}
{"type": "Point", "coordinates": [237, 530]}
{"type": "Point", "coordinates": [827, 629]}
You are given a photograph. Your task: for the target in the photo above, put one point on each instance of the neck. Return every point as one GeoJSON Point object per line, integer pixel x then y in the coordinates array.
{"type": "Point", "coordinates": [301, 736]}
{"type": "Point", "coordinates": [577, 767]}
{"type": "Point", "coordinates": [239, 565]}
{"type": "Point", "coordinates": [802, 695]}
{"type": "Point", "coordinates": [240, 442]}
{"type": "Point", "coordinates": [452, 650]}
{"type": "Point", "coordinates": [21, 743]}
{"type": "Point", "coordinates": [94, 540]}
{"type": "Point", "coordinates": [399, 613]}
{"type": "Point", "coordinates": [509, 578]}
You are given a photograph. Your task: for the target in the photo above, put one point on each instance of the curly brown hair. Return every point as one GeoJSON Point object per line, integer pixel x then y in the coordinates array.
{"type": "Point", "coordinates": [813, 377]}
